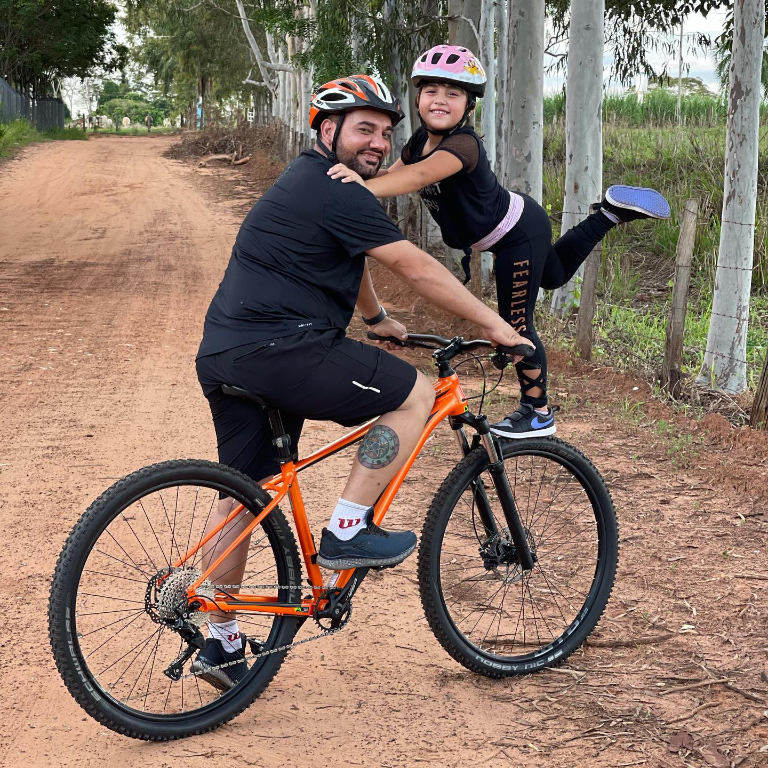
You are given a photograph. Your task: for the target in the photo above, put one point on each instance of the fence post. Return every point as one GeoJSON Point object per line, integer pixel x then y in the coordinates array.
{"type": "Point", "coordinates": [758, 417]}
{"type": "Point", "coordinates": [671, 369]}
{"type": "Point", "coordinates": [588, 303]}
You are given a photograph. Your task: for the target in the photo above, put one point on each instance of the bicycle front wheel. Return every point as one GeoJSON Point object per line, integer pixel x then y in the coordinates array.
{"type": "Point", "coordinates": [489, 614]}
{"type": "Point", "coordinates": [118, 578]}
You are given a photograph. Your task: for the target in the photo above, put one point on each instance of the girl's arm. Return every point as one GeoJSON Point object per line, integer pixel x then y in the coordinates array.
{"type": "Point", "coordinates": [384, 171]}
{"type": "Point", "coordinates": [406, 178]}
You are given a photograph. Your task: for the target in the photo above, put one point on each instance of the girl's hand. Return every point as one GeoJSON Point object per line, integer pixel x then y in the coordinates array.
{"type": "Point", "coordinates": [340, 171]}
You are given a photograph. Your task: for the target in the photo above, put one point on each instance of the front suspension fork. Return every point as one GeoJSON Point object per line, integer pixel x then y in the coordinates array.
{"type": "Point", "coordinates": [500, 483]}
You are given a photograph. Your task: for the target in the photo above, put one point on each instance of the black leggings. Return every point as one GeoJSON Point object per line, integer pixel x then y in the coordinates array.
{"type": "Point", "coordinates": [526, 260]}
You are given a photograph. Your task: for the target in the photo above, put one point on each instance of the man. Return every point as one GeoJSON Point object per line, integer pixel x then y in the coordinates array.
{"type": "Point", "coordinates": [276, 327]}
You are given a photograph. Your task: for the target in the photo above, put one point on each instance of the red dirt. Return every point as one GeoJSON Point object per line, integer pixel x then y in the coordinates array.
{"type": "Point", "coordinates": [109, 255]}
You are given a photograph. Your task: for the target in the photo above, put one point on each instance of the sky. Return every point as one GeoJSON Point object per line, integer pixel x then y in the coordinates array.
{"type": "Point", "coordinates": [698, 64]}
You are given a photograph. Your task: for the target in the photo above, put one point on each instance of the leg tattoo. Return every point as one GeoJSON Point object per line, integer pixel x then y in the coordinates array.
{"type": "Point", "coordinates": [379, 448]}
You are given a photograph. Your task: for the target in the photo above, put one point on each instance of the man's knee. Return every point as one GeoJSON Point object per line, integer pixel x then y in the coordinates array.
{"type": "Point", "coordinates": [422, 396]}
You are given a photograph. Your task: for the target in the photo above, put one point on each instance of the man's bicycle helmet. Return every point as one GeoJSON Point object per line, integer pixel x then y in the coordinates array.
{"type": "Point", "coordinates": [353, 92]}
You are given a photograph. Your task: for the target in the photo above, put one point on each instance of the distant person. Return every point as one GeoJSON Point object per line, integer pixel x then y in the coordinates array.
{"type": "Point", "coordinates": [445, 162]}
{"type": "Point", "coordinates": [148, 122]}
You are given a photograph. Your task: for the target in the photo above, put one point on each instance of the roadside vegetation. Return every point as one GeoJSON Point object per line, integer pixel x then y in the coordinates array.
{"type": "Point", "coordinates": [644, 146]}
{"type": "Point", "coordinates": [19, 133]}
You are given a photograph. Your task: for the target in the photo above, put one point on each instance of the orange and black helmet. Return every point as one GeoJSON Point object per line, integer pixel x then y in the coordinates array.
{"type": "Point", "coordinates": [353, 92]}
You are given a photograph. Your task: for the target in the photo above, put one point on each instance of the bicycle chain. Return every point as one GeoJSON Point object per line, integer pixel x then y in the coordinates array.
{"type": "Point", "coordinates": [288, 646]}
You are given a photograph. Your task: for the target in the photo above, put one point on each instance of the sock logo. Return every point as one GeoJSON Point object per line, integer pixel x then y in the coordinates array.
{"type": "Point", "coordinates": [349, 522]}
{"type": "Point", "coordinates": [233, 637]}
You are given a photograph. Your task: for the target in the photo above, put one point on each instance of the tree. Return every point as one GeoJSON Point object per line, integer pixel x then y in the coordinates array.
{"type": "Point", "coordinates": [725, 359]}
{"type": "Point", "coordinates": [524, 98]}
{"type": "Point", "coordinates": [45, 39]}
{"type": "Point", "coordinates": [583, 124]}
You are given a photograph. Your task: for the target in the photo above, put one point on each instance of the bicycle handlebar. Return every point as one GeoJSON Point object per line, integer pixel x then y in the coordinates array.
{"type": "Point", "coordinates": [430, 341]}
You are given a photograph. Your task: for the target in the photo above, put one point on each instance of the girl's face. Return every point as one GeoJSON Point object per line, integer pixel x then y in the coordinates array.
{"type": "Point", "coordinates": [441, 105]}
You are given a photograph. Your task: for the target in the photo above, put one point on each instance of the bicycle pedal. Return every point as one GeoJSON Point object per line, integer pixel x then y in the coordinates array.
{"type": "Point", "coordinates": [256, 646]}
{"type": "Point", "coordinates": [384, 567]}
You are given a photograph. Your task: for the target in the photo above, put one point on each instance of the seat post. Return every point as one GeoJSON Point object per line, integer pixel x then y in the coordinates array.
{"type": "Point", "coordinates": [281, 440]}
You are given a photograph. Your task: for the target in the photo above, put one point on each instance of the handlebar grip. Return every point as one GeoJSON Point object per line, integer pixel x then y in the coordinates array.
{"type": "Point", "coordinates": [526, 350]}
{"type": "Point", "coordinates": [375, 337]}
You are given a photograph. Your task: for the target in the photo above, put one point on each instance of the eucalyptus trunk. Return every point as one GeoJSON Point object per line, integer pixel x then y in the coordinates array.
{"type": "Point", "coordinates": [724, 365]}
{"type": "Point", "coordinates": [583, 127]}
{"type": "Point", "coordinates": [464, 23]}
{"type": "Point", "coordinates": [488, 58]}
{"type": "Point", "coordinates": [500, 10]}
{"type": "Point", "coordinates": [524, 98]}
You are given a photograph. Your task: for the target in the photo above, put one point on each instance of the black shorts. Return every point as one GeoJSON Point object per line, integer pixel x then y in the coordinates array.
{"type": "Point", "coordinates": [321, 375]}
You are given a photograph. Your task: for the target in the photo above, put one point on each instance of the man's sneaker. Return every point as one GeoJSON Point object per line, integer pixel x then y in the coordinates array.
{"type": "Point", "coordinates": [370, 547]}
{"type": "Point", "coordinates": [208, 663]}
{"type": "Point", "coordinates": [526, 422]}
{"type": "Point", "coordinates": [631, 203]}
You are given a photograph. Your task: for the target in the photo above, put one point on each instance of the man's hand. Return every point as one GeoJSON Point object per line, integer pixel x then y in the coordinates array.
{"type": "Point", "coordinates": [340, 171]}
{"type": "Point", "coordinates": [389, 327]}
{"type": "Point", "coordinates": [502, 333]}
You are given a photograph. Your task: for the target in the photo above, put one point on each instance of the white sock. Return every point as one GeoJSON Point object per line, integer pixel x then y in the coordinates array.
{"type": "Point", "coordinates": [227, 634]}
{"type": "Point", "coordinates": [612, 216]}
{"type": "Point", "coordinates": [544, 409]}
{"type": "Point", "coordinates": [347, 519]}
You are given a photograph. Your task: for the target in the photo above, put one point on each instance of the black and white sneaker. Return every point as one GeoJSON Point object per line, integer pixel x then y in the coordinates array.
{"type": "Point", "coordinates": [526, 422]}
{"type": "Point", "coordinates": [207, 664]}
{"type": "Point", "coordinates": [371, 547]}
{"type": "Point", "coordinates": [631, 203]}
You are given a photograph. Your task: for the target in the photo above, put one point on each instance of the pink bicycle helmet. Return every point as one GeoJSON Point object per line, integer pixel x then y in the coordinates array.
{"type": "Point", "coordinates": [450, 64]}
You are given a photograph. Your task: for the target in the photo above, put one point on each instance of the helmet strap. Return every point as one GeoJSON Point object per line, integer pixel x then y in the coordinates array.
{"type": "Point", "coordinates": [331, 153]}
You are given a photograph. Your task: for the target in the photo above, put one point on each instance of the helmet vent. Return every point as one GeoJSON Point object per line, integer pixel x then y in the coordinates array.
{"type": "Point", "coordinates": [335, 96]}
{"type": "Point", "coordinates": [452, 58]}
{"type": "Point", "coordinates": [436, 57]}
{"type": "Point", "coordinates": [424, 57]}
{"type": "Point", "coordinates": [346, 84]}
{"type": "Point", "coordinates": [463, 50]}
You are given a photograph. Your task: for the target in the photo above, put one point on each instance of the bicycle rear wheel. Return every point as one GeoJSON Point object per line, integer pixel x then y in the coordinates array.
{"type": "Point", "coordinates": [115, 577]}
{"type": "Point", "coordinates": [489, 614]}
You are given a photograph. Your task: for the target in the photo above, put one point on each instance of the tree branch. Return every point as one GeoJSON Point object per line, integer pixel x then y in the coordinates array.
{"type": "Point", "coordinates": [254, 47]}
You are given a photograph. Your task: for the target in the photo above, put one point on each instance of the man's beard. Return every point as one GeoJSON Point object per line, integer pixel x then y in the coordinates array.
{"type": "Point", "coordinates": [353, 161]}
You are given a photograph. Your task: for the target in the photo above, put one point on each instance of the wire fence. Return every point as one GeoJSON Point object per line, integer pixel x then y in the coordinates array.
{"type": "Point", "coordinates": [44, 112]}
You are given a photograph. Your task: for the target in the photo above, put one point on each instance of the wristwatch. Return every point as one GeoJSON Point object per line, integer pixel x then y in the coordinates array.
{"type": "Point", "coordinates": [376, 320]}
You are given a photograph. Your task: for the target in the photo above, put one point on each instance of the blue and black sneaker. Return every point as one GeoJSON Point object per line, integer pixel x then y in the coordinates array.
{"type": "Point", "coordinates": [526, 422]}
{"type": "Point", "coordinates": [208, 664]}
{"type": "Point", "coordinates": [631, 203]}
{"type": "Point", "coordinates": [371, 547]}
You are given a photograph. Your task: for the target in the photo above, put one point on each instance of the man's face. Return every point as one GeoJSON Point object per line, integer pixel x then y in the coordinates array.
{"type": "Point", "coordinates": [364, 141]}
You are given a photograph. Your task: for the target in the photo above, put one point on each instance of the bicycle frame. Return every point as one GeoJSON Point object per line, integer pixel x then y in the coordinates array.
{"type": "Point", "coordinates": [449, 401]}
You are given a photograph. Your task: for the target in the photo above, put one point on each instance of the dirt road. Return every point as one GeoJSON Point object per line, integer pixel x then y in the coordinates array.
{"type": "Point", "coordinates": [109, 254]}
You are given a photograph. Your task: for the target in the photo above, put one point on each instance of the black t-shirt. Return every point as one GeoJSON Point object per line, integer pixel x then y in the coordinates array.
{"type": "Point", "coordinates": [471, 203]}
{"type": "Point", "coordinates": [298, 259]}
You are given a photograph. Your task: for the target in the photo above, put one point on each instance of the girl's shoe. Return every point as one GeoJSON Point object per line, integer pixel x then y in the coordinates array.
{"type": "Point", "coordinates": [526, 422]}
{"type": "Point", "coordinates": [631, 203]}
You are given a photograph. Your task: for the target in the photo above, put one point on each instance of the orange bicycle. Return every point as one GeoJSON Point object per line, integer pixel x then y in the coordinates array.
{"type": "Point", "coordinates": [516, 562]}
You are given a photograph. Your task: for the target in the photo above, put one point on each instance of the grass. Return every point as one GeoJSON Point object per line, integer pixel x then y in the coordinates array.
{"type": "Point", "coordinates": [638, 261]}
{"type": "Point", "coordinates": [19, 133]}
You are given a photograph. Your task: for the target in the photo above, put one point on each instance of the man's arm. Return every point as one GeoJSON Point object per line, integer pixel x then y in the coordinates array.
{"type": "Point", "coordinates": [368, 306]}
{"type": "Point", "coordinates": [433, 282]}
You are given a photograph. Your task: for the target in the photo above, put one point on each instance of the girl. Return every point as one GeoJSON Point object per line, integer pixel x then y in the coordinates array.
{"type": "Point", "coordinates": [446, 162]}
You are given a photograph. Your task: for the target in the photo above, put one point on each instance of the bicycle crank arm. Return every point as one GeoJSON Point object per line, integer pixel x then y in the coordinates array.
{"type": "Point", "coordinates": [501, 483]}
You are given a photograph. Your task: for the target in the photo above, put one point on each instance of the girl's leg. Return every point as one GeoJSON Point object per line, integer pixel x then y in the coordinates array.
{"type": "Point", "coordinates": [520, 259]}
{"type": "Point", "coordinates": [571, 250]}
